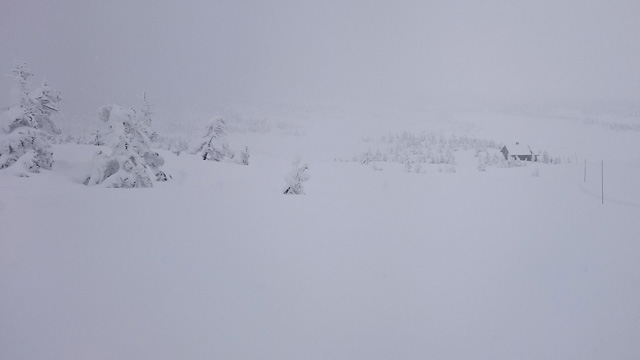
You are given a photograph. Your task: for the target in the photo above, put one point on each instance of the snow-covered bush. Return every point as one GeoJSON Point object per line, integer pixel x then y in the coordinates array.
{"type": "Point", "coordinates": [244, 156]}
{"type": "Point", "coordinates": [482, 162]}
{"type": "Point", "coordinates": [94, 137]}
{"type": "Point", "coordinates": [407, 166]}
{"type": "Point", "coordinates": [131, 163]}
{"type": "Point", "coordinates": [26, 127]}
{"type": "Point", "coordinates": [515, 162]}
{"type": "Point", "coordinates": [536, 172]}
{"type": "Point", "coordinates": [297, 176]}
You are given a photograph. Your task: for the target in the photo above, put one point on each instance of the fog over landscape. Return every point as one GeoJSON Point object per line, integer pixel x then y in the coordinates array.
{"type": "Point", "coordinates": [193, 55]}
{"type": "Point", "coordinates": [287, 179]}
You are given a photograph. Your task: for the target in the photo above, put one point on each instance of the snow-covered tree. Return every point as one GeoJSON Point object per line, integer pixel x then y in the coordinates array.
{"type": "Point", "coordinates": [545, 157]}
{"type": "Point", "coordinates": [483, 160]}
{"type": "Point", "coordinates": [244, 156]}
{"type": "Point", "coordinates": [145, 123]}
{"type": "Point", "coordinates": [297, 176]}
{"type": "Point", "coordinates": [131, 163]}
{"type": "Point", "coordinates": [95, 138]}
{"type": "Point", "coordinates": [22, 73]}
{"type": "Point", "coordinates": [177, 146]}
{"type": "Point", "coordinates": [45, 102]}
{"type": "Point", "coordinates": [26, 127]}
{"type": "Point", "coordinates": [213, 145]}
{"type": "Point", "coordinates": [21, 142]}
{"type": "Point", "coordinates": [407, 165]}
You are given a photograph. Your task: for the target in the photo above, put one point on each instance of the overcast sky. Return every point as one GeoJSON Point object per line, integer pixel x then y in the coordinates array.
{"type": "Point", "coordinates": [191, 54]}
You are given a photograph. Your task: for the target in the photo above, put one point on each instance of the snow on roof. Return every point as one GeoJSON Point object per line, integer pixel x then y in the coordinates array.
{"type": "Point", "coordinates": [519, 149]}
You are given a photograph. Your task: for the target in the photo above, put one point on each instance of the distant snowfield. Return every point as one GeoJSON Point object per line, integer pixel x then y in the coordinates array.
{"type": "Point", "coordinates": [218, 264]}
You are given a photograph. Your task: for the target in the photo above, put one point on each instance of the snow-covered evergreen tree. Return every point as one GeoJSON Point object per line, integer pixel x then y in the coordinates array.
{"type": "Point", "coordinates": [131, 163]}
{"type": "Point", "coordinates": [297, 176]}
{"type": "Point", "coordinates": [213, 145]}
{"type": "Point", "coordinates": [26, 127]}
{"type": "Point", "coordinates": [45, 101]}
{"type": "Point", "coordinates": [145, 122]}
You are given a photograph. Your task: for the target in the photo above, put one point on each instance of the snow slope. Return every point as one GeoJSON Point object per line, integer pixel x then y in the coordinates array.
{"type": "Point", "coordinates": [217, 263]}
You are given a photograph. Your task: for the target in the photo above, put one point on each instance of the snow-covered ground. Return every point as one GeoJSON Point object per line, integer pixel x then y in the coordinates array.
{"type": "Point", "coordinates": [218, 264]}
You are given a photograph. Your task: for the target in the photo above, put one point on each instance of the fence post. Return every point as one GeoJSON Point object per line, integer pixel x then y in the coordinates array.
{"type": "Point", "coordinates": [602, 175]}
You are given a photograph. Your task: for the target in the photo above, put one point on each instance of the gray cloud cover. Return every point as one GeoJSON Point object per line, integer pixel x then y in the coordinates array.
{"type": "Point", "coordinates": [193, 54]}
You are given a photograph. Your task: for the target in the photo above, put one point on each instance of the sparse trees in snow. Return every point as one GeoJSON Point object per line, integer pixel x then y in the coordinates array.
{"type": "Point", "coordinates": [296, 178]}
{"type": "Point", "coordinates": [131, 163]}
{"type": "Point", "coordinates": [26, 127]}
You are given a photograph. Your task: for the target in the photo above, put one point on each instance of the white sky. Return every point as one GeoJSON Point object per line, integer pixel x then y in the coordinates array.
{"type": "Point", "coordinates": [192, 54]}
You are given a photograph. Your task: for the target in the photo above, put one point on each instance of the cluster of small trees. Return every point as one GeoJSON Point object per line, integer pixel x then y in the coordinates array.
{"type": "Point", "coordinates": [415, 151]}
{"type": "Point", "coordinates": [485, 160]}
{"type": "Point", "coordinates": [27, 132]}
{"type": "Point", "coordinates": [131, 163]}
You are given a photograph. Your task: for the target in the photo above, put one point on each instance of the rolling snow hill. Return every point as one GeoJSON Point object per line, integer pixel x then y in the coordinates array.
{"type": "Point", "coordinates": [509, 263]}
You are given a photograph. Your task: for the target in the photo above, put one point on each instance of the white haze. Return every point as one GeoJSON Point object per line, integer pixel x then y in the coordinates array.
{"type": "Point", "coordinates": [193, 55]}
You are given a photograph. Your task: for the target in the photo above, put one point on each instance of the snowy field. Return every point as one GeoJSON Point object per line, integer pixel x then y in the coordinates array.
{"type": "Point", "coordinates": [508, 263]}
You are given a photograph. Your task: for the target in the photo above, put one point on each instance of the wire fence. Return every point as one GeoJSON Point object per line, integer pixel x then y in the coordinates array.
{"type": "Point", "coordinates": [612, 181]}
